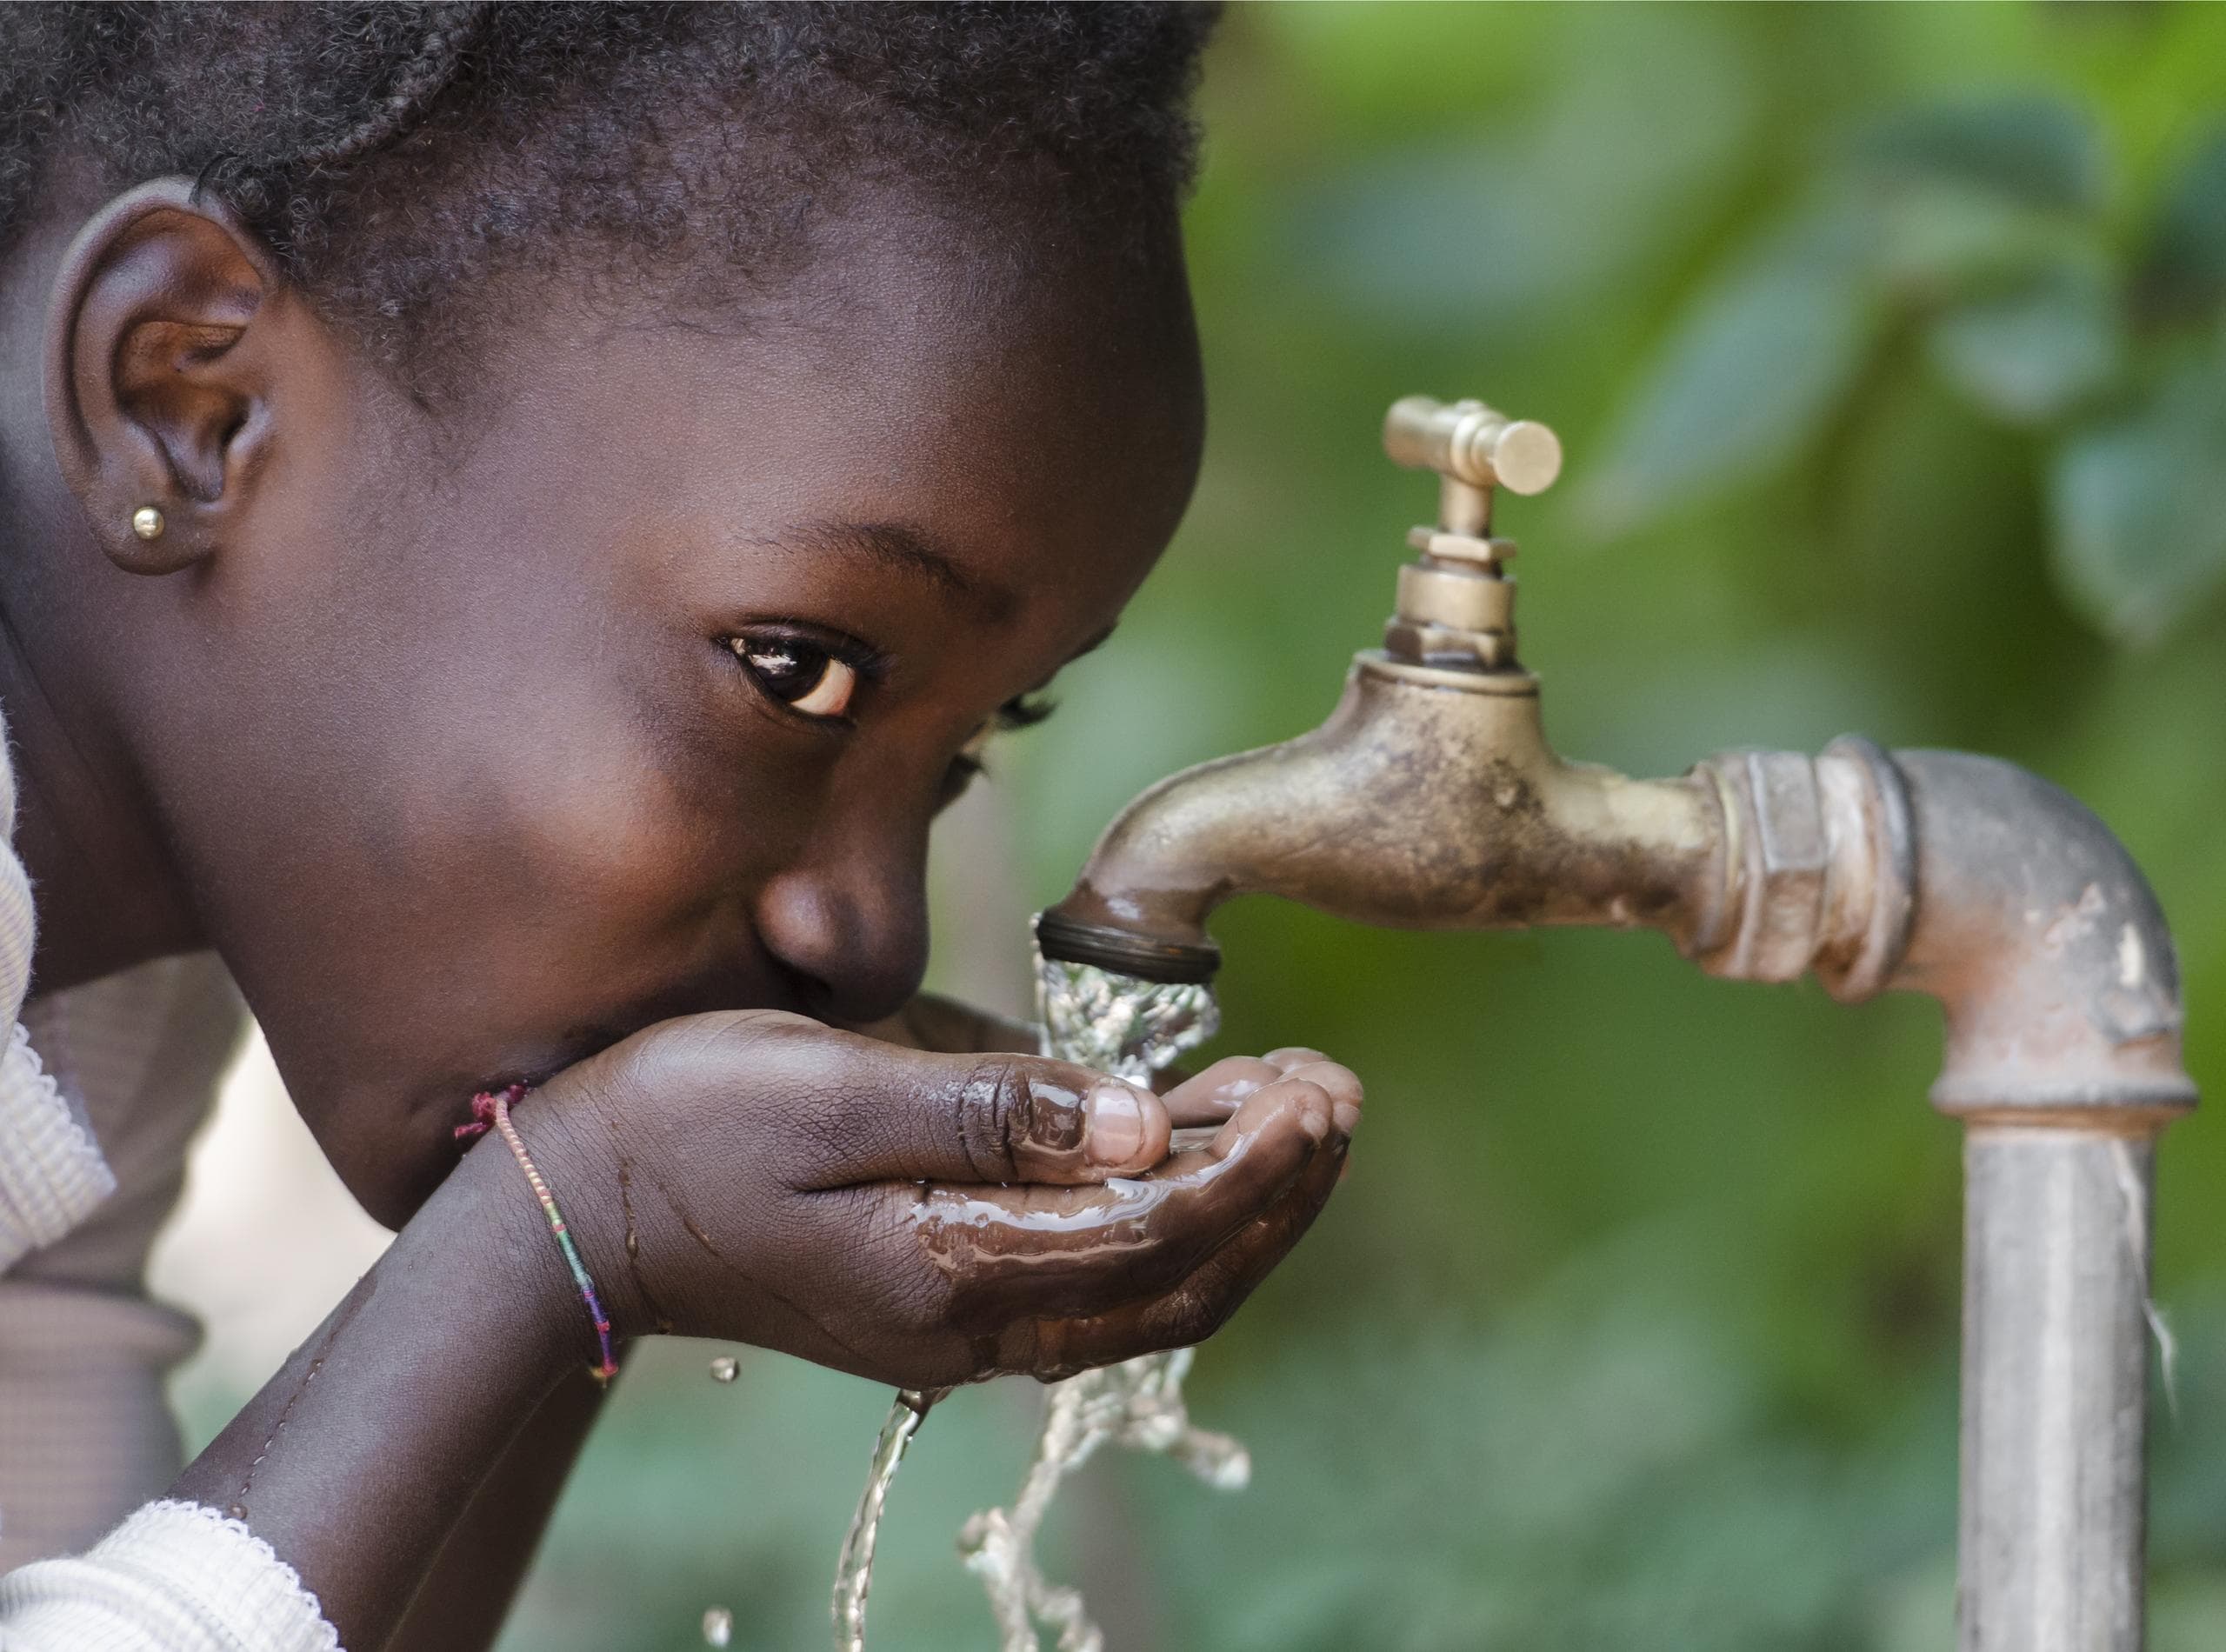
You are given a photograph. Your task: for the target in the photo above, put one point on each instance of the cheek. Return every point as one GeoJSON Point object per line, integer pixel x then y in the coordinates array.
{"type": "Point", "coordinates": [586, 819]}
{"type": "Point", "coordinates": [484, 866]}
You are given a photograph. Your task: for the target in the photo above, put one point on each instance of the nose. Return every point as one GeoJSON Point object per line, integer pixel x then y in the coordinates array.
{"type": "Point", "coordinates": [851, 928]}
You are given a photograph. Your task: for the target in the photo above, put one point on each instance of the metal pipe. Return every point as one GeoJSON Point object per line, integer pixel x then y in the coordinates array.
{"type": "Point", "coordinates": [2051, 958]}
{"type": "Point", "coordinates": [1431, 799]}
{"type": "Point", "coordinates": [2056, 1389]}
{"type": "Point", "coordinates": [2037, 932]}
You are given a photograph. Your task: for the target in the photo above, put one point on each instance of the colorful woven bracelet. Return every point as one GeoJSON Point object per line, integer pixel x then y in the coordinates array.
{"type": "Point", "coordinates": [491, 1110]}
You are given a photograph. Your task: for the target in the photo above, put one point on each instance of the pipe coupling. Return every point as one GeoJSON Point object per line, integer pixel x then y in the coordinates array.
{"type": "Point", "coordinates": [1819, 864]}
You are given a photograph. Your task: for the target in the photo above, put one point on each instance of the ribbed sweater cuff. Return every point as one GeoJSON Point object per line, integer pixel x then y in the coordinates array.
{"type": "Point", "coordinates": [174, 1577]}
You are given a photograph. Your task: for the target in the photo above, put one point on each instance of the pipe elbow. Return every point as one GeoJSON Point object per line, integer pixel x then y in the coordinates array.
{"type": "Point", "coordinates": [2043, 943]}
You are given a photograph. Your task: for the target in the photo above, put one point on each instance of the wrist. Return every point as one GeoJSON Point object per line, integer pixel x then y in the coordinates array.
{"type": "Point", "coordinates": [560, 1212]}
{"type": "Point", "coordinates": [495, 1226]}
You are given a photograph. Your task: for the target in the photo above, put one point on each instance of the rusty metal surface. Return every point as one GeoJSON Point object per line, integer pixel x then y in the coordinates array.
{"type": "Point", "coordinates": [2037, 932]}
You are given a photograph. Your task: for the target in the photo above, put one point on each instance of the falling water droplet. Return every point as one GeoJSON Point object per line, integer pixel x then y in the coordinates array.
{"type": "Point", "coordinates": [718, 1623]}
{"type": "Point", "coordinates": [724, 1369]}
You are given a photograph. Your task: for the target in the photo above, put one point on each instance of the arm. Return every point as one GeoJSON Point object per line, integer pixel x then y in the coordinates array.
{"type": "Point", "coordinates": [352, 1464]}
{"type": "Point", "coordinates": [356, 1460]}
{"type": "Point", "coordinates": [461, 1607]}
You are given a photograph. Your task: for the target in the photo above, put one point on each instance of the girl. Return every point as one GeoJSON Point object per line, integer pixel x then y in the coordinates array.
{"type": "Point", "coordinates": [516, 519]}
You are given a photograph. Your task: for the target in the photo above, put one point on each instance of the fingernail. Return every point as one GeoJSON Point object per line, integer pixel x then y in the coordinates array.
{"type": "Point", "coordinates": [1347, 1115]}
{"type": "Point", "coordinates": [1116, 1124]}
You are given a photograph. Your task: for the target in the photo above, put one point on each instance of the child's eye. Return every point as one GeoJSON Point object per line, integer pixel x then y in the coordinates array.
{"type": "Point", "coordinates": [798, 674]}
{"type": "Point", "coordinates": [1023, 712]}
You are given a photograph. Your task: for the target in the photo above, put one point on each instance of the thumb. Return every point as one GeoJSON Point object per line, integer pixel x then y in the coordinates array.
{"type": "Point", "coordinates": [904, 1115]}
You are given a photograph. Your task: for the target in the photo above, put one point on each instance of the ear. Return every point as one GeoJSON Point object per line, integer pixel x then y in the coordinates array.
{"type": "Point", "coordinates": [159, 359]}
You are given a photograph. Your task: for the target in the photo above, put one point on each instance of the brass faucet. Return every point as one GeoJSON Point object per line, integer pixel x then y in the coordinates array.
{"type": "Point", "coordinates": [1429, 799]}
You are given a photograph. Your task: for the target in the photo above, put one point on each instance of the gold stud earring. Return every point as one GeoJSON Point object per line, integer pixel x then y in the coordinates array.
{"type": "Point", "coordinates": [147, 522]}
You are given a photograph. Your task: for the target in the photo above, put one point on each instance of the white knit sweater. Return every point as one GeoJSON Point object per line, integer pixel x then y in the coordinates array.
{"type": "Point", "coordinates": [174, 1576]}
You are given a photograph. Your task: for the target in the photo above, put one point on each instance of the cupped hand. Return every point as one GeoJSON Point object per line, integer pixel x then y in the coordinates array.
{"type": "Point", "coordinates": [927, 1220]}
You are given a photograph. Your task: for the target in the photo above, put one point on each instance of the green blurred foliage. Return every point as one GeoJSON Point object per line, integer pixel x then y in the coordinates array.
{"type": "Point", "coordinates": [1884, 343]}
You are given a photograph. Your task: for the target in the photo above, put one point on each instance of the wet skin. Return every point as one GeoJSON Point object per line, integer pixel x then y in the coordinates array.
{"type": "Point", "coordinates": [589, 732]}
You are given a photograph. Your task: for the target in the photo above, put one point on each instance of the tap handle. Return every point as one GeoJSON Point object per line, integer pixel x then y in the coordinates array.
{"type": "Point", "coordinates": [1468, 442]}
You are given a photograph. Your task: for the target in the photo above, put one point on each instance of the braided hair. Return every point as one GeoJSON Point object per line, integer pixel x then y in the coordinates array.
{"type": "Point", "coordinates": [403, 160]}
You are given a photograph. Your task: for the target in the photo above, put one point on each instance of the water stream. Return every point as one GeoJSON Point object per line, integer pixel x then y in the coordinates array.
{"type": "Point", "coordinates": [854, 1568]}
{"type": "Point", "coordinates": [1131, 1028]}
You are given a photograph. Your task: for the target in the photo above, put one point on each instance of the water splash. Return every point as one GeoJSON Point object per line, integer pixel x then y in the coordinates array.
{"type": "Point", "coordinates": [854, 1569]}
{"type": "Point", "coordinates": [1130, 1028]}
{"type": "Point", "coordinates": [1137, 1404]}
{"type": "Point", "coordinates": [1116, 1023]}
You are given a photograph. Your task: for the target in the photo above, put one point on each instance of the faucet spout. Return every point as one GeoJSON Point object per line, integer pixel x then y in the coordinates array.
{"type": "Point", "coordinates": [1428, 800]}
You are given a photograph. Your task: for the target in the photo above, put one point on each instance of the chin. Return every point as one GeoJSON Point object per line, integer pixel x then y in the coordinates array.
{"type": "Point", "coordinates": [392, 1153]}
{"type": "Point", "coordinates": [396, 1188]}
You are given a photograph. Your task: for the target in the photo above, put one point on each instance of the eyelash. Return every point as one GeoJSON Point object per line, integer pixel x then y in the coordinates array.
{"type": "Point", "coordinates": [1022, 712]}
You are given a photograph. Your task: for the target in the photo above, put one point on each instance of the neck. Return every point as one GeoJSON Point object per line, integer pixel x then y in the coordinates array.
{"type": "Point", "coordinates": [108, 896]}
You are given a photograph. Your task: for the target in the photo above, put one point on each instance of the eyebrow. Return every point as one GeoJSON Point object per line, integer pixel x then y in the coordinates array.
{"type": "Point", "coordinates": [908, 549]}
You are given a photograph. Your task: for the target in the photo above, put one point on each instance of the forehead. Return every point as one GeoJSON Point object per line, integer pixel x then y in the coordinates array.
{"type": "Point", "coordinates": [1022, 419]}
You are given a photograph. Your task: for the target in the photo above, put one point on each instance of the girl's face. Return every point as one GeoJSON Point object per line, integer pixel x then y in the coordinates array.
{"type": "Point", "coordinates": [482, 747]}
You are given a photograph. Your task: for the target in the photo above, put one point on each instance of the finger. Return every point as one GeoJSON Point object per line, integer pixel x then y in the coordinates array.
{"type": "Point", "coordinates": [1197, 1306]}
{"type": "Point", "coordinates": [1012, 1252]}
{"type": "Point", "coordinates": [851, 1110]}
{"type": "Point", "coordinates": [1008, 1119]}
{"type": "Point", "coordinates": [1342, 1085]}
{"type": "Point", "coordinates": [1291, 1057]}
{"type": "Point", "coordinates": [1211, 1096]}
{"type": "Point", "coordinates": [1164, 1079]}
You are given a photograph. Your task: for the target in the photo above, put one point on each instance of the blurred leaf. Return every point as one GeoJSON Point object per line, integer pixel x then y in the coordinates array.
{"type": "Point", "coordinates": [2140, 507]}
{"type": "Point", "coordinates": [1938, 241]}
{"type": "Point", "coordinates": [2185, 270]}
{"type": "Point", "coordinates": [1533, 214]}
{"type": "Point", "coordinates": [2034, 151]}
{"type": "Point", "coordinates": [2033, 352]}
{"type": "Point", "coordinates": [1748, 377]}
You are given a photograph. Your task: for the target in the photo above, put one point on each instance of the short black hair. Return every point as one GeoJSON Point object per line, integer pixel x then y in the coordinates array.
{"type": "Point", "coordinates": [399, 157]}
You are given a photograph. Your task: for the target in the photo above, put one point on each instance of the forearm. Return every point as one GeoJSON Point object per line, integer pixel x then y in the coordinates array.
{"type": "Point", "coordinates": [460, 1608]}
{"type": "Point", "coordinates": [358, 1459]}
